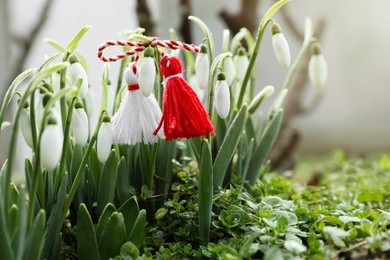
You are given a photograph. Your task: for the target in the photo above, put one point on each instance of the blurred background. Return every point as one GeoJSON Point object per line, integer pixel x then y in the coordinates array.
{"type": "Point", "coordinates": [349, 113]}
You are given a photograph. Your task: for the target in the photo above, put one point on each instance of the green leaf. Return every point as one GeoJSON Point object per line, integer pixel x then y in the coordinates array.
{"type": "Point", "coordinates": [94, 169]}
{"type": "Point", "coordinates": [55, 44]}
{"type": "Point", "coordinates": [160, 213]}
{"type": "Point", "coordinates": [54, 223]}
{"type": "Point", "coordinates": [205, 192]}
{"type": "Point", "coordinates": [104, 100]}
{"type": "Point", "coordinates": [228, 147]}
{"type": "Point", "coordinates": [294, 247]}
{"type": "Point", "coordinates": [384, 162]}
{"type": "Point", "coordinates": [130, 211]}
{"type": "Point", "coordinates": [196, 144]}
{"type": "Point", "coordinates": [166, 153]}
{"type": "Point", "coordinates": [268, 15]}
{"type": "Point", "coordinates": [107, 182]}
{"type": "Point", "coordinates": [113, 236]}
{"type": "Point", "coordinates": [72, 46]}
{"type": "Point", "coordinates": [21, 222]}
{"type": "Point", "coordinates": [2, 178]}
{"type": "Point", "coordinates": [107, 212]}
{"type": "Point", "coordinates": [5, 240]}
{"type": "Point", "coordinates": [87, 245]}
{"type": "Point", "coordinates": [273, 253]}
{"type": "Point", "coordinates": [264, 147]}
{"type": "Point", "coordinates": [138, 232]}
{"type": "Point", "coordinates": [129, 251]}
{"type": "Point", "coordinates": [32, 246]}
{"type": "Point", "coordinates": [55, 252]}
{"type": "Point", "coordinates": [122, 182]}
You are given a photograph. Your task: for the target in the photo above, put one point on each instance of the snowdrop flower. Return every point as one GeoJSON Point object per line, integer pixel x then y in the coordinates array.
{"type": "Point", "coordinates": [222, 96]}
{"type": "Point", "coordinates": [147, 72]}
{"type": "Point", "coordinates": [229, 69]}
{"type": "Point", "coordinates": [89, 103]}
{"type": "Point", "coordinates": [51, 144]}
{"type": "Point", "coordinates": [76, 71]}
{"type": "Point", "coordinates": [25, 125]}
{"type": "Point", "coordinates": [281, 49]}
{"type": "Point", "coordinates": [110, 99]}
{"type": "Point", "coordinates": [80, 125]}
{"type": "Point", "coordinates": [104, 140]}
{"type": "Point", "coordinates": [202, 67]}
{"type": "Point", "coordinates": [258, 99]}
{"type": "Point", "coordinates": [318, 69]}
{"type": "Point", "coordinates": [137, 116]}
{"type": "Point", "coordinates": [242, 63]}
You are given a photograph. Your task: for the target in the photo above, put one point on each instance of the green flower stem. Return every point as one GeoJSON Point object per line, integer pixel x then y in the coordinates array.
{"type": "Point", "coordinates": [14, 137]}
{"type": "Point", "coordinates": [80, 171]}
{"type": "Point", "coordinates": [33, 122]}
{"type": "Point", "coordinates": [152, 168]}
{"type": "Point", "coordinates": [251, 62]}
{"type": "Point", "coordinates": [61, 170]}
{"type": "Point", "coordinates": [11, 91]}
{"type": "Point", "coordinates": [263, 25]}
{"type": "Point", "coordinates": [119, 84]}
{"type": "Point", "coordinates": [62, 86]}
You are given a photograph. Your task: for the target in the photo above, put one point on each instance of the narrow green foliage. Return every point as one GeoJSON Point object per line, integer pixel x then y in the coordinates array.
{"type": "Point", "coordinates": [265, 145]}
{"type": "Point", "coordinates": [87, 245]}
{"type": "Point", "coordinates": [113, 236]}
{"type": "Point", "coordinates": [137, 234]}
{"type": "Point", "coordinates": [205, 192]}
{"type": "Point", "coordinates": [130, 211]}
{"type": "Point", "coordinates": [107, 183]}
{"type": "Point", "coordinates": [228, 147]}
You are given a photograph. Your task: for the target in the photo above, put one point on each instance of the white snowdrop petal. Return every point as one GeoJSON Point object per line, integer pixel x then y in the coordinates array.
{"type": "Point", "coordinates": [51, 146]}
{"type": "Point", "coordinates": [80, 126]}
{"type": "Point", "coordinates": [25, 127]}
{"type": "Point", "coordinates": [202, 70]}
{"type": "Point", "coordinates": [104, 142]}
{"type": "Point", "coordinates": [110, 100]}
{"type": "Point", "coordinates": [241, 67]}
{"type": "Point", "coordinates": [76, 70]}
{"type": "Point", "coordinates": [281, 49]}
{"type": "Point", "coordinates": [222, 98]}
{"type": "Point", "coordinates": [229, 70]}
{"type": "Point", "coordinates": [147, 76]}
{"type": "Point", "coordinates": [318, 70]}
{"type": "Point", "coordinates": [89, 103]}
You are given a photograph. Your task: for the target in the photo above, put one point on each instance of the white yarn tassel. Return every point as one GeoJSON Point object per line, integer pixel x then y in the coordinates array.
{"type": "Point", "coordinates": [137, 116]}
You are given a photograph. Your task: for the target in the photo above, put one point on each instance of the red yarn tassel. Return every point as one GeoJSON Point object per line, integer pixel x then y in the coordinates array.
{"type": "Point", "coordinates": [184, 116]}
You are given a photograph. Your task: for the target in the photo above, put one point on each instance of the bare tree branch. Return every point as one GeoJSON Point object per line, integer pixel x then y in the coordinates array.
{"type": "Point", "coordinates": [246, 17]}
{"type": "Point", "coordinates": [27, 41]}
{"type": "Point", "coordinates": [185, 26]}
{"type": "Point", "coordinates": [145, 17]}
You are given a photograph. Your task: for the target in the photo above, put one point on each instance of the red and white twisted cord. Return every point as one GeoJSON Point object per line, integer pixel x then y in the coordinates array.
{"type": "Point", "coordinates": [140, 46]}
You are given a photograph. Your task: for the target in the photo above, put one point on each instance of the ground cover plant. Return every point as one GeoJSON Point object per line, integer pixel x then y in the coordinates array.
{"type": "Point", "coordinates": [175, 165]}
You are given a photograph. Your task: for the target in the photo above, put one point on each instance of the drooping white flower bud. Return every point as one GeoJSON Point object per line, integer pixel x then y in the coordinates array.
{"type": "Point", "coordinates": [229, 69]}
{"type": "Point", "coordinates": [104, 140]}
{"type": "Point", "coordinates": [147, 72]}
{"type": "Point", "coordinates": [202, 67]}
{"type": "Point", "coordinates": [76, 71]}
{"type": "Point", "coordinates": [25, 125]}
{"type": "Point", "coordinates": [281, 48]}
{"type": "Point", "coordinates": [318, 68]}
{"type": "Point", "coordinates": [110, 99]}
{"type": "Point", "coordinates": [80, 125]}
{"type": "Point", "coordinates": [242, 63]}
{"type": "Point", "coordinates": [89, 103]}
{"type": "Point", "coordinates": [222, 96]}
{"type": "Point", "coordinates": [259, 98]}
{"type": "Point", "coordinates": [51, 145]}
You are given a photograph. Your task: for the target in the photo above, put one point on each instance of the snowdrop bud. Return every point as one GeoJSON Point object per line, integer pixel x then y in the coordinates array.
{"type": "Point", "coordinates": [242, 63]}
{"type": "Point", "coordinates": [318, 69]}
{"type": "Point", "coordinates": [147, 72]}
{"type": "Point", "coordinates": [51, 145]}
{"type": "Point", "coordinates": [202, 67]}
{"type": "Point", "coordinates": [222, 96]}
{"type": "Point", "coordinates": [104, 140]}
{"type": "Point", "coordinates": [259, 98]}
{"type": "Point", "coordinates": [89, 103]}
{"type": "Point", "coordinates": [25, 125]}
{"type": "Point", "coordinates": [281, 49]}
{"type": "Point", "coordinates": [228, 68]}
{"type": "Point", "coordinates": [75, 71]}
{"type": "Point", "coordinates": [80, 124]}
